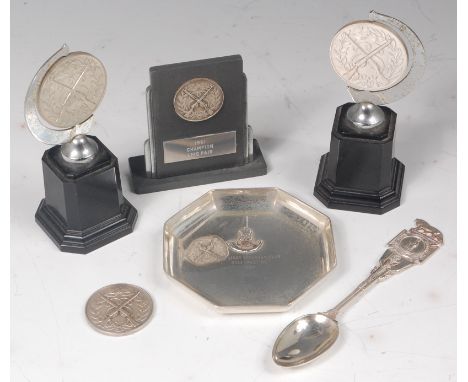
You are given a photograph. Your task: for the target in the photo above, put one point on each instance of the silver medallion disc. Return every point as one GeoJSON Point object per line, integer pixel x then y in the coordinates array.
{"type": "Point", "coordinates": [119, 309]}
{"type": "Point", "coordinates": [198, 99]}
{"type": "Point", "coordinates": [369, 56]}
{"type": "Point", "coordinates": [207, 250]}
{"type": "Point", "coordinates": [71, 90]}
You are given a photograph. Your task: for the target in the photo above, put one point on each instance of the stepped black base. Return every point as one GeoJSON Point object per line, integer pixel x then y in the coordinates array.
{"type": "Point", "coordinates": [340, 198]}
{"type": "Point", "coordinates": [68, 240]}
{"type": "Point", "coordinates": [83, 208]}
{"type": "Point", "coordinates": [142, 184]}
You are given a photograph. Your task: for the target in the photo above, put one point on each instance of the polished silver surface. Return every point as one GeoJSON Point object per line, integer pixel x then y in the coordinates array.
{"type": "Point", "coordinates": [71, 90]}
{"type": "Point", "coordinates": [415, 67]}
{"type": "Point", "coordinates": [80, 149]}
{"type": "Point", "coordinates": [305, 339]}
{"type": "Point", "coordinates": [249, 152]}
{"type": "Point", "coordinates": [308, 336]}
{"type": "Point", "coordinates": [119, 309]}
{"type": "Point", "coordinates": [202, 146]}
{"type": "Point", "coordinates": [381, 60]}
{"type": "Point", "coordinates": [150, 142]}
{"type": "Point", "coordinates": [278, 248]}
{"type": "Point", "coordinates": [198, 99]}
{"type": "Point", "coordinates": [365, 115]}
{"type": "Point", "coordinates": [39, 129]}
{"type": "Point", "coordinates": [368, 56]}
{"type": "Point", "coordinates": [147, 153]}
{"type": "Point", "coordinates": [63, 95]}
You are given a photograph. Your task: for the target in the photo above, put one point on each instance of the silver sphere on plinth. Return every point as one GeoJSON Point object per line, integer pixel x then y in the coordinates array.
{"type": "Point", "coordinates": [365, 115]}
{"type": "Point", "coordinates": [80, 149]}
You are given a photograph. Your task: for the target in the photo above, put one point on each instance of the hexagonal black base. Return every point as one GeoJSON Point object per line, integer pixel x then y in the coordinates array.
{"type": "Point", "coordinates": [88, 240]}
{"type": "Point", "coordinates": [143, 184]}
{"type": "Point", "coordinates": [377, 202]}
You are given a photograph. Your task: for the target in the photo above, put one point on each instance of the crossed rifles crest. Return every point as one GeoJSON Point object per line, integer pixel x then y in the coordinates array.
{"type": "Point", "coordinates": [198, 99]}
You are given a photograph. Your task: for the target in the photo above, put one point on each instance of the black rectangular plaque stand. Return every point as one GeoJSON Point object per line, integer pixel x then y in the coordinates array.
{"type": "Point", "coordinates": [182, 153]}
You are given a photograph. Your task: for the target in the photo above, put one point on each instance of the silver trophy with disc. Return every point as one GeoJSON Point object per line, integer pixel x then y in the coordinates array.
{"type": "Point", "coordinates": [380, 60]}
{"type": "Point", "coordinates": [83, 208]}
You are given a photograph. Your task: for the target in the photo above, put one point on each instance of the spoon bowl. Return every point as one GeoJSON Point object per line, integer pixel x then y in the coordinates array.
{"type": "Point", "coordinates": [304, 339]}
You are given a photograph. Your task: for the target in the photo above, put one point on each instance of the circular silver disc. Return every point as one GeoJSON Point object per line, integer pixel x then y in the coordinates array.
{"type": "Point", "coordinates": [71, 90]}
{"type": "Point", "coordinates": [119, 309]}
{"type": "Point", "coordinates": [369, 56]}
{"type": "Point", "coordinates": [198, 99]}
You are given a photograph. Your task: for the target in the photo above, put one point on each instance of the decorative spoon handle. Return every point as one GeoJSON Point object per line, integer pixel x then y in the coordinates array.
{"type": "Point", "coordinates": [408, 248]}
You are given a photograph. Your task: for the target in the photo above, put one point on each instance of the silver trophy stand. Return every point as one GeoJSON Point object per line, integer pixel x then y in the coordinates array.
{"type": "Point", "coordinates": [381, 60]}
{"type": "Point", "coordinates": [83, 208]}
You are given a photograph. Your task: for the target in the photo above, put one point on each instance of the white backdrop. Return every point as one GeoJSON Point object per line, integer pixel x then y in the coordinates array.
{"type": "Point", "coordinates": [404, 330]}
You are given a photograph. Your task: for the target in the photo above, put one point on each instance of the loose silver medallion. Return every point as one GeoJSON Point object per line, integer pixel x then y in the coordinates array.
{"type": "Point", "coordinates": [198, 99]}
{"type": "Point", "coordinates": [369, 56]}
{"type": "Point", "coordinates": [119, 309]}
{"type": "Point", "coordinates": [207, 250]}
{"type": "Point", "coordinates": [71, 90]}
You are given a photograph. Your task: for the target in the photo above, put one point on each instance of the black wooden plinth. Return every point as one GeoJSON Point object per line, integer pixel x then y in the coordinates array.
{"type": "Point", "coordinates": [83, 208]}
{"type": "Point", "coordinates": [142, 183]}
{"type": "Point", "coordinates": [359, 173]}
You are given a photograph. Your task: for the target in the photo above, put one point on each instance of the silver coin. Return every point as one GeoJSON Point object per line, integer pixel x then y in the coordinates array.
{"type": "Point", "coordinates": [71, 90]}
{"type": "Point", "coordinates": [198, 99]}
{"type": "Point", "coordinates": [369, 56]}
{"type": "Point", "coordinates": [207, 250]}
{"type": "Point", "coordinates": [119, 309]}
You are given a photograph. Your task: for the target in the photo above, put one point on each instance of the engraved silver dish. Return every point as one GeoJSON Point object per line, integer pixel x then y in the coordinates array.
{"type": "Point", "coordinates": [248, 250]}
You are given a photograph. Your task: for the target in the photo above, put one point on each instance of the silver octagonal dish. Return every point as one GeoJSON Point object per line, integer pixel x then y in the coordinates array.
{"type": "Point", "coordinates": [248, 250]}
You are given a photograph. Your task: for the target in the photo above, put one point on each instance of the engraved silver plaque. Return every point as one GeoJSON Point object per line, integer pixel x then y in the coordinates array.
{"type": "Point", "coordinates": [202, 146]}
{"type": "Point", "coordinates": [248, 250]}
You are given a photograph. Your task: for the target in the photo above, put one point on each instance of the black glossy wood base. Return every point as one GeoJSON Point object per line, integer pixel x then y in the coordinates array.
{"type": "Point", "coordinates": [359, 172]}
{"type": "Point", "coordinates": [143, 184]}
{"type": "Point", "coordinates": [358, 200]}
{"type": "Point", "coordinates": [83, 208]}
{"type": "Point", "coordinates": [89, 239]}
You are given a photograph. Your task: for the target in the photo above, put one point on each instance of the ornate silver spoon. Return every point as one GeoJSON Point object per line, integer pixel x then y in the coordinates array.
{"type": "Point", "coordinates": [308, 336]}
